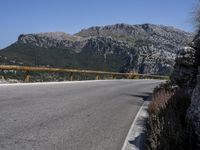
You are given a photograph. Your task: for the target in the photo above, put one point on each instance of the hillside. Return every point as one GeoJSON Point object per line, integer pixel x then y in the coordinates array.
{"type": "Point", "coordinates": [143, 48]}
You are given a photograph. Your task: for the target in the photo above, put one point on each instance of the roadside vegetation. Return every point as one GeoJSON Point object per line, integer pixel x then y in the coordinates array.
{"type": "Point", "coordinates": [167, 128]}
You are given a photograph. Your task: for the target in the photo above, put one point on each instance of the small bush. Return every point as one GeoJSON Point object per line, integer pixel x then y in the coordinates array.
{"type": "Point", "coordinates": [167, 129]}
{"type": "Point", "coordinates": [133, 75]}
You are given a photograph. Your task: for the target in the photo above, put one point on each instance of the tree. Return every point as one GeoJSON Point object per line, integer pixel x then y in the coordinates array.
{"type": "Point", "coordinates": [196, 16]}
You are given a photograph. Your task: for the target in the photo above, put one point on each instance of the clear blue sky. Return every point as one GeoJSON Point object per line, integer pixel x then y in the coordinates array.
{"type": "Point", "coordinates": [32, 16]}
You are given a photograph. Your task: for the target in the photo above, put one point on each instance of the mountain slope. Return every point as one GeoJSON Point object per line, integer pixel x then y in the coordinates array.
{"type": "Point", "coordinates": [143, 48]}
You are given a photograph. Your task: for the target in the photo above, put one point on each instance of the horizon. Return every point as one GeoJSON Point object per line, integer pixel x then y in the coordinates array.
{"type": "Point", "coordinates": [24, 19]}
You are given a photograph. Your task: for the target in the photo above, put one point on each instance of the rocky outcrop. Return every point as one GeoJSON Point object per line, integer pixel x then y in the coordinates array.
{"type": "Point", "coordinates": [193, 113]}
{"type": "Point", "coordinates": [185, 71]}
{"type": "Point", "coordinates": [186, 75]}
{"type": "Point", "coordinates": [131, 33]}
{"type": "Point", "coordinates": [156, 45]}
{"type": "Point", "coordinates": [53, 40]}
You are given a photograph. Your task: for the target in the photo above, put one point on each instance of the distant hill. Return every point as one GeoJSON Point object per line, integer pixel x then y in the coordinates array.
{"type": "Point", "coordinates": [145, 48]}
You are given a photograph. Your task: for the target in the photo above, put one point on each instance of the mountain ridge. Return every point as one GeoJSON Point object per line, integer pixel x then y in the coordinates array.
{"type": "Point", "coordinates": [145, 48]}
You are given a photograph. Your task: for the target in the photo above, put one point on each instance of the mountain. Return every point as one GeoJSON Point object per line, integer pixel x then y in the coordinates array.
{"type": "Point", "coordinates": [145, 48]}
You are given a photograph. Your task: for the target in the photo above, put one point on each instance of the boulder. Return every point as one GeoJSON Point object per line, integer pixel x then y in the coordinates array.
{"type": "Point", "coordinates": [193, 112]}
{"type": "Point", "coordinates": [184, 74]}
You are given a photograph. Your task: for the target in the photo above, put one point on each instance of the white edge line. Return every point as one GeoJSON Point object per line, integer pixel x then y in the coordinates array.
{"type": "Point", "coordinates": [132, 126]}
{"type": "Point", "coordinates": [61, 82]}
{"type": "Point", "coordinates": [42, 83]}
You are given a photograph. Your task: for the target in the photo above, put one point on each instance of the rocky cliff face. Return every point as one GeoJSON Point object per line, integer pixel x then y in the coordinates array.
{"type": "Point", "coordinates": [131, 33]}
{"type": "Point", "coordinates": [52, 39]}
{"type": "Point", "coordinates": [156, 45]}
{"type": "Point", "coordinates": [143, 48]}
{"type": "Point", "coordinates": [186, 75]}
{"type": "Point", "coordinates": [193, 113]}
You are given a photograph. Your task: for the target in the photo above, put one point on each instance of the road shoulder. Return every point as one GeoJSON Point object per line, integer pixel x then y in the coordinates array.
{"type": "Point", "coordinates": [137, 133]}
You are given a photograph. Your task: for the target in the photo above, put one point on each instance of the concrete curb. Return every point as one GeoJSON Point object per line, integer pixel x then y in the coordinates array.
{"type": "Point", "coordinates": [137, 133]}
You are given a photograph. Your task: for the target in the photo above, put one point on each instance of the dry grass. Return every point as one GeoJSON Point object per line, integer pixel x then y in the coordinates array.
{"type": "Point", "coordinates": [160, 101]}
{"type": "Point", "coordinates": [133, 75]}
{"type": "Point", "coordinates": [167, 129]}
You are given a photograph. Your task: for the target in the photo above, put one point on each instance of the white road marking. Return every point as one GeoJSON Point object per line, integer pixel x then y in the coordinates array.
{"type": "Point", "coordinates": [136, 129]}
{"type": "Point", "coordinates": [63, 82]}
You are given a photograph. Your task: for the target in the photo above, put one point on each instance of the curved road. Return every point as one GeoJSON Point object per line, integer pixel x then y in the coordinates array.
{"type": "Point", "coordinates": [92, 115]}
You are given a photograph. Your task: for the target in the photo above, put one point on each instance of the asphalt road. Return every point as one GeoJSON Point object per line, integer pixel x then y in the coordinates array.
{"type": "Point", "coordinates": [70, 116]}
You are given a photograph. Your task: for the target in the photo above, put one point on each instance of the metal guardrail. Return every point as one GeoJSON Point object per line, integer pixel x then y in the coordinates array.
{"type": "Point", "coordinates": [28, 69]}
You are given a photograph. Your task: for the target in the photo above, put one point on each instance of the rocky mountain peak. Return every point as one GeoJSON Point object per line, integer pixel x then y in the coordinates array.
{"type": "Point", "coordinates": [58, 36]}
{"type": "Point", "coordinates": [51, 40]}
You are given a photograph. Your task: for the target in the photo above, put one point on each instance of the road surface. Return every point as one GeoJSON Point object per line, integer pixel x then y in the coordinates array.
{"type": "Point", "coordinates": [70, 116]}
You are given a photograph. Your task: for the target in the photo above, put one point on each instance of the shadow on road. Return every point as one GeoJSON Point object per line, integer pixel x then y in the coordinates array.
{"type": "Point", "coordinates": [139, 138]}
{"type": "Point", "coordinates": [145, 95]}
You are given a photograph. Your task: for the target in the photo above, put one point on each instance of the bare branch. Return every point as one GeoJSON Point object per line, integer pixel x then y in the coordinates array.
{"type": "Point", "coordinates": [196, 16]}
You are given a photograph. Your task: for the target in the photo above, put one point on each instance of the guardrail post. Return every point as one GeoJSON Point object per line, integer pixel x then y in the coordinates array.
{"type": "Point", "coordinates": [97, 77]}
{"type": "Point", "coordinates": [27, 77]}
{"type": "Point", "coordinates": [2, 77]}
{"type": "Point", "coordinates": [113, 76]}
{"type": "Point", "coordinates": [71, 76]}
{"type": "Point", "coordinates": [129, 76]}
{"type": "Point", "coordinates": [126, 76]}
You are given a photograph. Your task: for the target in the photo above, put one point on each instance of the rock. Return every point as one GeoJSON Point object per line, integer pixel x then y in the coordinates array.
{"type": "Point", "coordinates": [185, 74]}
{"type": "Point", "coordinates": [193, 113]}
{"type": "Point", "coordinates": [52, 39]}
{"type": "Point", "coordinates": [3, 81]}
{"type": "Point", "coordinates": [185, 70]}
